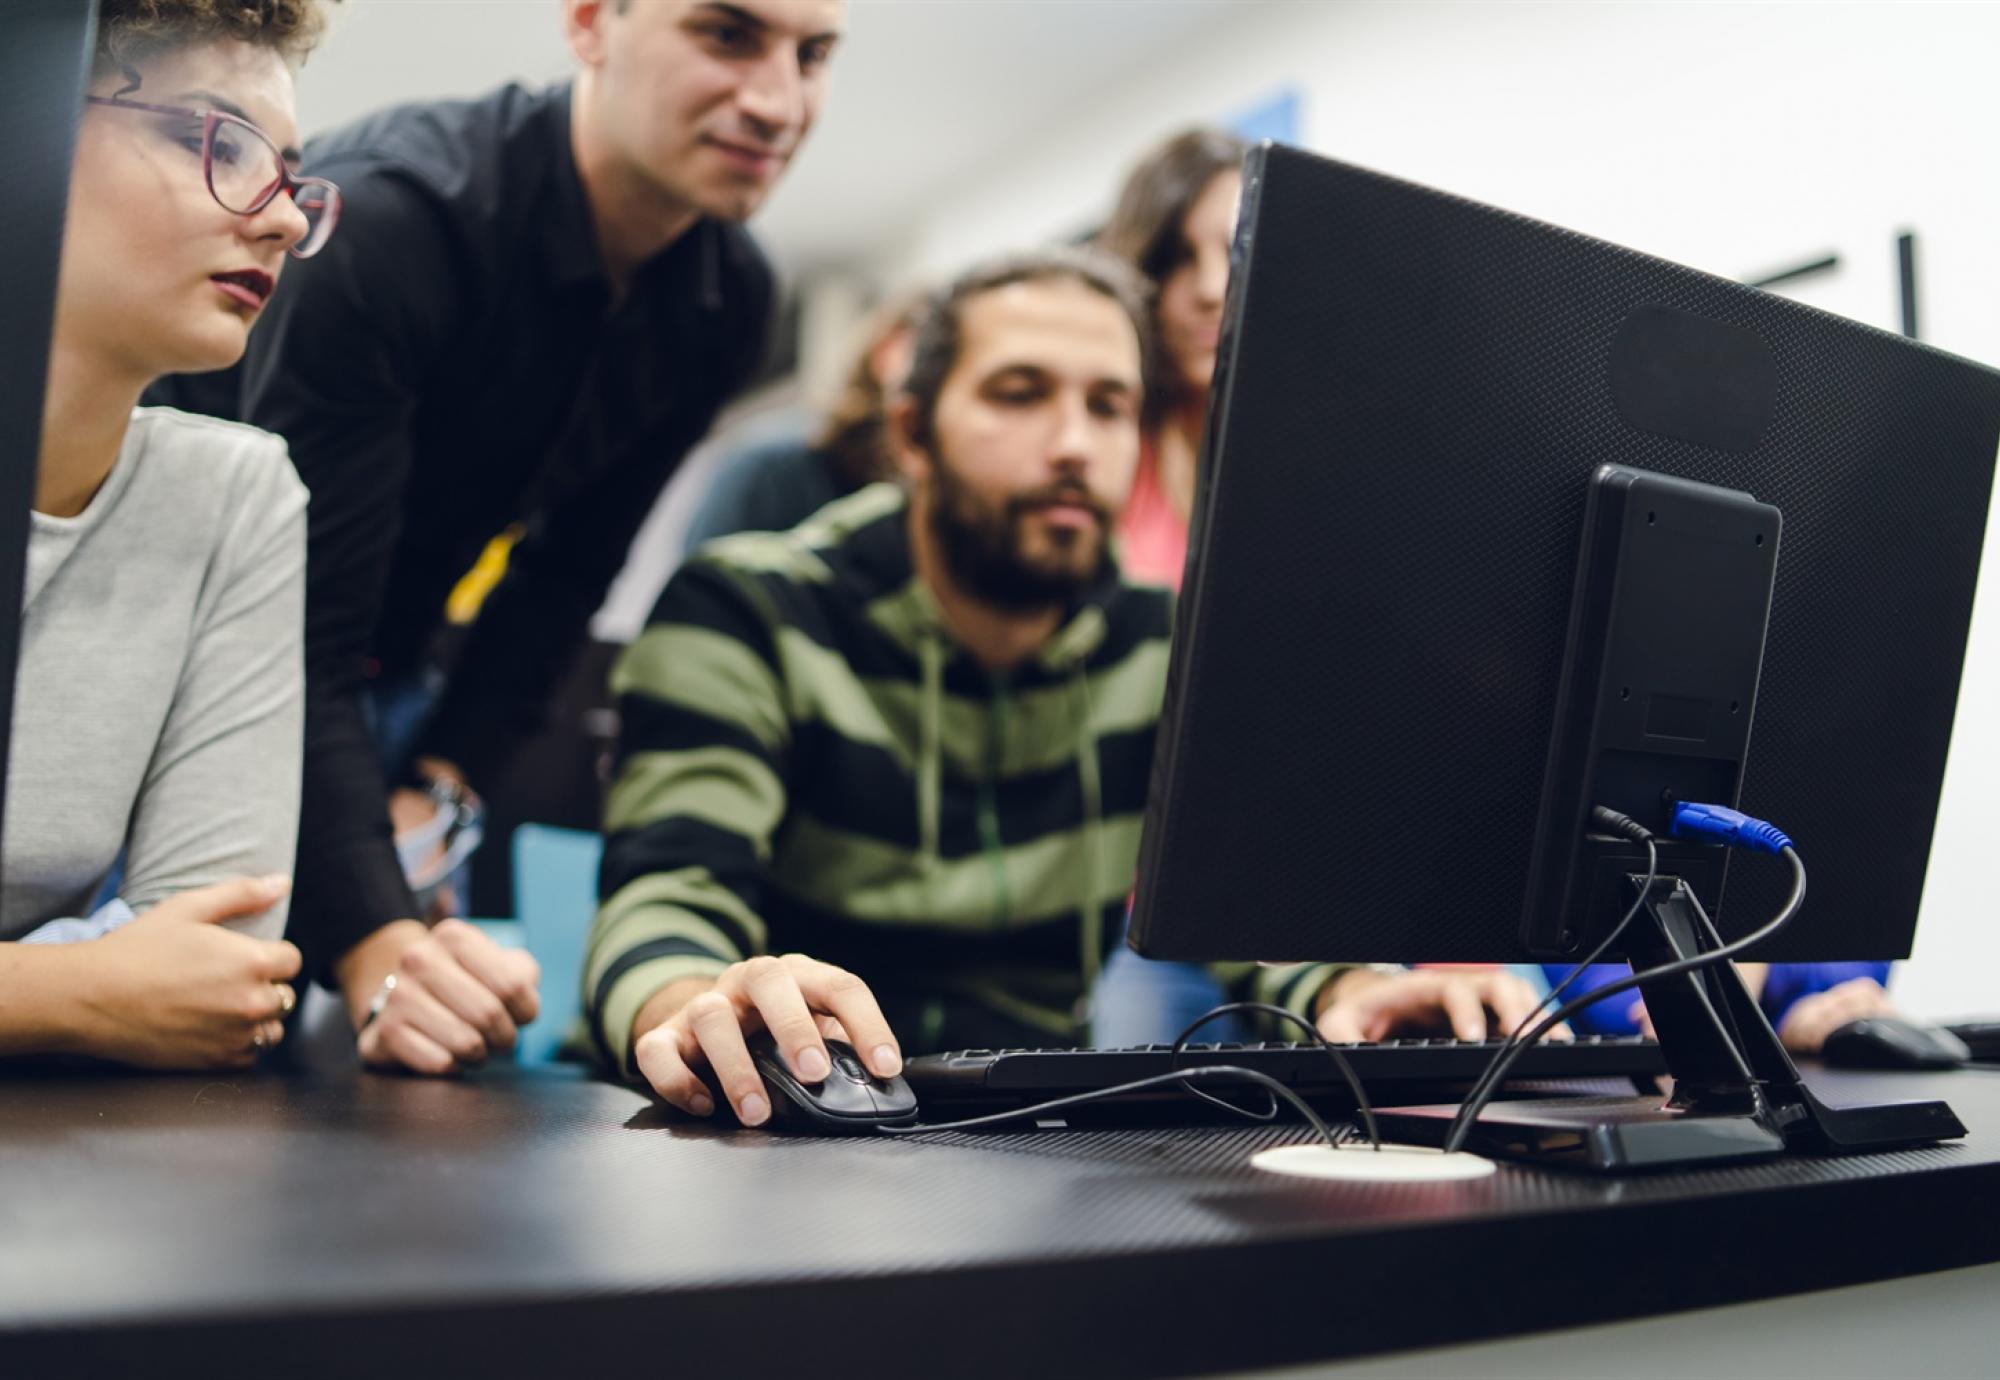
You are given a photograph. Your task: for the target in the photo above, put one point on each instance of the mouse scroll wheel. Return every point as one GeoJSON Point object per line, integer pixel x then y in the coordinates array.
{"type": "Point", "coordinates": [849, 1066]}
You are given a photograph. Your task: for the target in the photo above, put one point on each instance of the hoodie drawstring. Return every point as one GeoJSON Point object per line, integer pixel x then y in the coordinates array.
{"type": "Point", "coordinates": [930, 751]}
{"type": "Point", "coordinates": [1091, 916]}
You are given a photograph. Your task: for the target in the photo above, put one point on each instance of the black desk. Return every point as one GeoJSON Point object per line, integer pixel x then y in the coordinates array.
{"type": "Point", "coordinates": [357, 1225]}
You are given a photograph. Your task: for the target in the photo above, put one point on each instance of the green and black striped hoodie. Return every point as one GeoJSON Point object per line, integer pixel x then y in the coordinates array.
{"type": "Point", "coordinates": [809, 762]}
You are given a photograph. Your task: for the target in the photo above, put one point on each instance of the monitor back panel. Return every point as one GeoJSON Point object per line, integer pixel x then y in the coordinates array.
{"type": "Point", "coordinates": [44, 59]}
{"type": "Point", "coordinates": [1411, 393]}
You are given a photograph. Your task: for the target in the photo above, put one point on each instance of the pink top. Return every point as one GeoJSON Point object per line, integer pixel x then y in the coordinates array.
{"type": "Point", "coordinates": [1152, 538]}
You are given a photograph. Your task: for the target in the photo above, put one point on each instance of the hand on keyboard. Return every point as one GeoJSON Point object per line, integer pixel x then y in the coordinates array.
{"type": "Point", "coordinates": [1366, 1004]}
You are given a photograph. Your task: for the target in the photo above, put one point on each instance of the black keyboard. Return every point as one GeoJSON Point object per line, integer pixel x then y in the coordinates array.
{"type": "Point", "coordinates": [1391, 1072]}
{"type": "Point", "coordinates": [1982, 1038]}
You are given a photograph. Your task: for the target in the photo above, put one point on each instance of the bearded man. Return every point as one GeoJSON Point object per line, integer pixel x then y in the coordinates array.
{"type": "Point", "coordinates": [881, 777]}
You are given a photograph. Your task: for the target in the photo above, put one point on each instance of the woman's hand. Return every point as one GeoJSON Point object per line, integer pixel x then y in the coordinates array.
{"type": "Point", "coordinates": [173, 989]}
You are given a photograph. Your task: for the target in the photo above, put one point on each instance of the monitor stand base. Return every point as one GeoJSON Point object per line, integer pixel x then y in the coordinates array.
{"type": "Point", "coordinates": [1737, 1094]}
{"type": "Point", "coordinates": [1628, 1133]}
{"type": "Point", "coordinates": [1601, 1133]}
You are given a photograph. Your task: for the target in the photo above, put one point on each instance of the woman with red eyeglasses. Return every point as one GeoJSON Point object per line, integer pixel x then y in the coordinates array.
{"type": "Point", "coordinates": [152, 790]}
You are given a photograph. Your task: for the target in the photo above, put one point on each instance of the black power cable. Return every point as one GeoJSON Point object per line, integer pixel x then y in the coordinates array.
{"type": "Point", "coordinates": [1346, 1069]}
{"type": "Point", "coordinates": [1638, 833]}
{"type": "Point", "coordinates": [1469, 1110]}
{"type": "Point", "coordinates": [1187, 1078]}
{"type": "Point", "coordinates": [1205, 1072]}
{"type": "Point", "coordinates": [1617, 931]}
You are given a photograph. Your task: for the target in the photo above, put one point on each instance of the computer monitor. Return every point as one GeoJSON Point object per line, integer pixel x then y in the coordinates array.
{"type": "Point", "coordinates": [45, 48]}
{"type": "Point", "coordinates": [1412, 394]}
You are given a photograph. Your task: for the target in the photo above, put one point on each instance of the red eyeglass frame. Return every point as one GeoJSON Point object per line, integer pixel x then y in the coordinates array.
{"type": "Point", "coordinates": [286, 182]}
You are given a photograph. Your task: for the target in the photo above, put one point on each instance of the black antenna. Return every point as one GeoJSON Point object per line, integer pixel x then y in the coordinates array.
{"type": "Point", "coordinates": [1906, 263]}
{"type": "Point", "coordinates": [1826, 263]}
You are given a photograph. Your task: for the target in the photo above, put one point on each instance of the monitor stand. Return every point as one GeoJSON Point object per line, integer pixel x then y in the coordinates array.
{"type": "Point", "coordinates": [1737, 1095]}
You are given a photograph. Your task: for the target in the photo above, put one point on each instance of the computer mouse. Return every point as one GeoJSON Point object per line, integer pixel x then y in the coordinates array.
{"type": "Point", "coordinates": [1889, 1042]}
{"type": "Point", "coordinates": [848, 1101]}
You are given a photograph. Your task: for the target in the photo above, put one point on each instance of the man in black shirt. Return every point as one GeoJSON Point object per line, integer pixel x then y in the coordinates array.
{"type": "Point", "coordinates": [535, 307]}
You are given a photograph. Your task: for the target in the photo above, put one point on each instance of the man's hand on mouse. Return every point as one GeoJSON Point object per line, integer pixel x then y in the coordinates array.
{"type": "Point", "coordinates": [702, 1023]}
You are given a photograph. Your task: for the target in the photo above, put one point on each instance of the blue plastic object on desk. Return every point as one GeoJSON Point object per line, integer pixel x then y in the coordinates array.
{"type": "Point", "coordinates": [555, 895]}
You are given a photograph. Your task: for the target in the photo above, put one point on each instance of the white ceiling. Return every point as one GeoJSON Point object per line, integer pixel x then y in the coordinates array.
{"type": "Point", "coordinates": [925, 92]}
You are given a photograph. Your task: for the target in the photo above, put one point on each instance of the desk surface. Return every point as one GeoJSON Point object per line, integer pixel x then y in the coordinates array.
{"type": "Point", "coordinates": [519, 1218]}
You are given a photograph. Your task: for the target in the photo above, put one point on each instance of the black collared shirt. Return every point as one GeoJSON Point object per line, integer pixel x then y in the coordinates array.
{"type": "Point", "coordinates": [454, 362]}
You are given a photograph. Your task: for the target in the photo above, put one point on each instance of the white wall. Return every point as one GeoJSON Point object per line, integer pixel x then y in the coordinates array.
{"type": "Point", "coordinates": [1733, 137]}
{"type": "Point", "coordinates": [384, 52]}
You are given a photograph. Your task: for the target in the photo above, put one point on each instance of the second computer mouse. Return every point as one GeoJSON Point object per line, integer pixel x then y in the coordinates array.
{"type": "Point", "coordinates": [848, 1101]}
{"type": "Point", "coordinates": [1889, 1042]}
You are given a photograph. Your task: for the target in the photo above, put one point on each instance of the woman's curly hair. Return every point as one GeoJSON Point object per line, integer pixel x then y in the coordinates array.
{"type": "Point", "coordinates": [131, 31]}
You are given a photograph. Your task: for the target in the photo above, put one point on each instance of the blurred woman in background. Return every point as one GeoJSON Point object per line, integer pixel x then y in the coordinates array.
{"type": "Point", "coordinates": [1173, 222]}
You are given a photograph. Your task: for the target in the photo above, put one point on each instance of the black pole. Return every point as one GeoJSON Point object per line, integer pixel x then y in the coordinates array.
{"type": "Point", "coordinates": [45, 48]}
{"type": "Point", "coordinates": [1906, 263]}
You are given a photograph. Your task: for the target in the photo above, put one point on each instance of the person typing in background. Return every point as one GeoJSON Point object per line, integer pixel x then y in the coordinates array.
{"type": "Point", "coordinates": [1805, 1002]}
{"type": "Point", "coordinates": [1173, 221]}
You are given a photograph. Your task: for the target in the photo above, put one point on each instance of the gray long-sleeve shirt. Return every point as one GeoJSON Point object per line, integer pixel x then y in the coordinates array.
{"type": "Point", "coordinates": [159, 702]}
